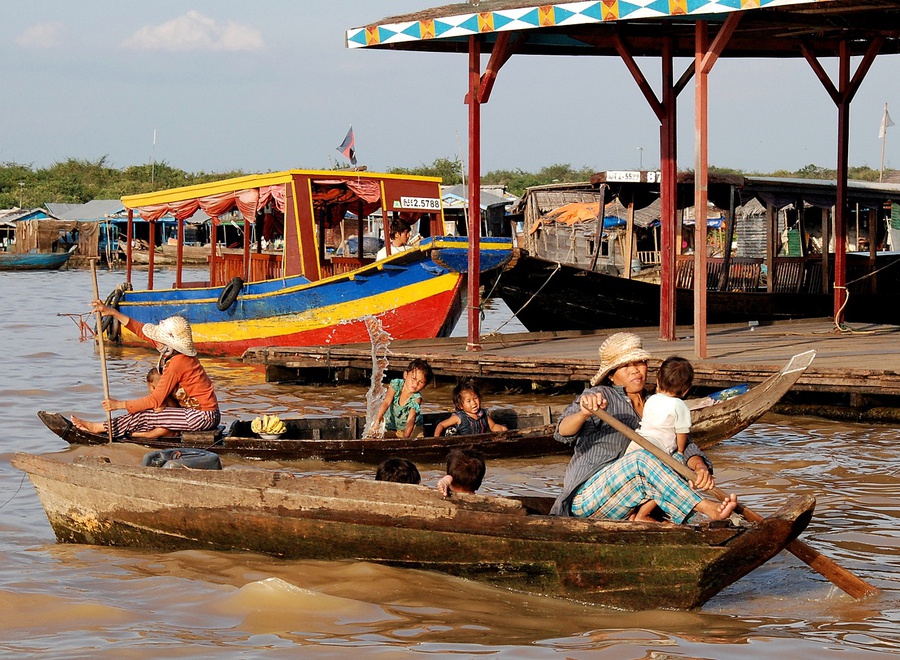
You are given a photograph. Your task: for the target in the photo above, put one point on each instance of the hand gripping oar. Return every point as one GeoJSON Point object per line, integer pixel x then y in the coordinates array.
{"type": "Point", "coordinates": [102, 349]}
{"type": "Point", "coordinates": [837, 575]}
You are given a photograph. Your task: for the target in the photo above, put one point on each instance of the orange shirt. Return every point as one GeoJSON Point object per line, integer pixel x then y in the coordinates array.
{"type": "Point", "coordinates": [180, 371]}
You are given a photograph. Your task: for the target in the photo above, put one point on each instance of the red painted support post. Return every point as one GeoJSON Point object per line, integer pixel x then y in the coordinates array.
{"type": "Point", "coordinates": [129, 236]}
{"type": "Point", "coordinates": [179, 253]}
{"type": "Point", "coordinates": [151, 257]}
{"type": "Point", "coordinates": [840, 211]}
{"type": "Point", "coordinates": [667, 195]}
{"type": "Point", "coordinates": [701, 191]}
{"type": "Point", "coordinates": [474, 279]}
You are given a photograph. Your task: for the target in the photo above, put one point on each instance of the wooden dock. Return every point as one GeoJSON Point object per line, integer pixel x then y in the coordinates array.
{"type": "Point", "coordinates": [856, 369]}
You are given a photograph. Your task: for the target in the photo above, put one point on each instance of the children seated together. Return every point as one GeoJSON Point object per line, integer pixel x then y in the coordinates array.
{"type": "Point", "coordinates": [465, 472]}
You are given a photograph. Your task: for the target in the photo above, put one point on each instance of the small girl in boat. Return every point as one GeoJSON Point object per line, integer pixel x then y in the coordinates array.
{"type": "Point", "coordinates": [470, 418]}
{"type": "Point", "coordinates": [400, 409]}
{"type": "Point", "coordinates": [179, 367]}
{"type": "Point", "coordinates": [666, 421]}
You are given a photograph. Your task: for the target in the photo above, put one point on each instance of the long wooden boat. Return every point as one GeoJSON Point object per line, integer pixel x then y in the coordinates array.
{"type": "Point", "coordinates": [305, 296]}
{"type": "Point", "coordinates": [507, 542]}
{"type": "Point", "coordinates": [35, 260]}
{"type": "Point", "coordinates": [530, 430]}
{"type": "Point", "coordinates": [553, 296]}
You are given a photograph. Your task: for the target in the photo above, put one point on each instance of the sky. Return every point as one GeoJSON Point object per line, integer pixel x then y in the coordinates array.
{"type": "Point", "coordinates": [226, 85]}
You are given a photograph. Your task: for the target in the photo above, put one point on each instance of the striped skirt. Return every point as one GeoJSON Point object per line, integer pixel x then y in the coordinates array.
{"type": "Point", "coordinates": [174, 419]}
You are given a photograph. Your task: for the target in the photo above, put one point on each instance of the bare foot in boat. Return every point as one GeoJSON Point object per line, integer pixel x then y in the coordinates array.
{"type": "Point", "coordinates": [90, 427]}
{"type": "Point", "coordinates": [718, 510]}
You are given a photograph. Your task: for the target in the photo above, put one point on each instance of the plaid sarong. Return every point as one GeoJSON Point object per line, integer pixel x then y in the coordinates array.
{"type": "Point", "coordinates": [618, 489]}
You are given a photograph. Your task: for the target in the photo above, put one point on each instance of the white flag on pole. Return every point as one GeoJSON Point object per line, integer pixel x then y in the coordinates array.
{"type": "Point", "coordinates": [885, 122]}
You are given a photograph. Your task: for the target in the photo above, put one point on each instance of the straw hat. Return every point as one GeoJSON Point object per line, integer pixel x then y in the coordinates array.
{"type": "Point", "coordinates": [618, 350]}
{"type": "Point", "coordinates": [174, 332]}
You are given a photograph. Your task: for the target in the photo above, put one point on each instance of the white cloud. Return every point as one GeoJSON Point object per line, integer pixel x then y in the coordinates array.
{"type": "Point", "coordinates": [44, 35]}
{"type": "Point", "coordinates": [194, 31]}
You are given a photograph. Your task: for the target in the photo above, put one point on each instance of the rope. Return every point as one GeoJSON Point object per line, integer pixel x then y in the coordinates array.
{"type": "Point", "coordinates": [16, 493]}
{"type": "Point", "coordinates": [533, 295]}
{"type": "Point", "coordinates": [840, 327]}
{"type": "Point", "coordinates": [86, 332]}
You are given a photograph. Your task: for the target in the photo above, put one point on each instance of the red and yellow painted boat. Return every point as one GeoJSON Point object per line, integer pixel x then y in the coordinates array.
{"type": "Point", "coordinates": [305, 295]}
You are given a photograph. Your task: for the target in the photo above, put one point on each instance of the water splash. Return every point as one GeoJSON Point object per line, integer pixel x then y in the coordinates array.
{"type": "Point", "coordinates": [381, 341]}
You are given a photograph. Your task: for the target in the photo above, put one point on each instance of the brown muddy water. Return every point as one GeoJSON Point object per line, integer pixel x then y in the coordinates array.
{"type": "Point", "coordinates": [86, 601]}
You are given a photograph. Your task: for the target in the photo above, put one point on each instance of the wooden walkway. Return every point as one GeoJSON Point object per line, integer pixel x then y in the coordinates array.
{"type": "Point", "coordinates": [860, 366]}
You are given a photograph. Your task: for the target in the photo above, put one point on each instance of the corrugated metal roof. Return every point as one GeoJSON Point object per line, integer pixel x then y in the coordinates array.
{"type": "Point", "coordinates": [458, 196]}
{"type": "Point", "coordinates": [95, 210]}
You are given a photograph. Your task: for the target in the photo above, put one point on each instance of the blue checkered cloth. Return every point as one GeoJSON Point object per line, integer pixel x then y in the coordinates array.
{"type": "Point", "coordinates": [598, 446]}
{"type": "Point", "coordinates": [617, 490]}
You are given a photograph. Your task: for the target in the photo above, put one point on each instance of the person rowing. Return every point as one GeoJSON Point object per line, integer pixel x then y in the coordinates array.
{"type": "Point", "coordinates": [602, 479]}
{"type": "Point", "coordinates": [179, 368]}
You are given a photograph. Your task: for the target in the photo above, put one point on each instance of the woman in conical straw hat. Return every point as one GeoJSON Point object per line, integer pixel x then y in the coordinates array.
{"type": "Point", "coordinates": [178, 366]}
{"type": "Point", "coordinates": [604, 481]}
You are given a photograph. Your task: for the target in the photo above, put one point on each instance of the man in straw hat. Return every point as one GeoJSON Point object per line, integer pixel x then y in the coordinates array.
{"type": "Point", "coordinates": [178, 366]}
{"type": "Point", "coordinates": [603, 480]}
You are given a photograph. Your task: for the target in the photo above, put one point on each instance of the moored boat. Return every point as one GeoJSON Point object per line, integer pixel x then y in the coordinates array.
{"type": "Point", "coordinates": [35, 260]}
{"type": "Point", "coordinates": [304, 295]}
{"type": "Point", "coordinates": [530, 430]}
{"type": "Point", "coordinates": [508, 542]}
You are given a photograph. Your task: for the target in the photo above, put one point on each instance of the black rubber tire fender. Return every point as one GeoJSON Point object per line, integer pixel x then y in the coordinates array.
{"type": "Point", "coordinates": [230, 294]}
{"type": "Point", "coordinates": [110, 325]}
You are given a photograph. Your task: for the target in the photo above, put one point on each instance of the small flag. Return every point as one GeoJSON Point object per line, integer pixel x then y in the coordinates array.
{"type": "Point", "coordinates": [885, 122]}
{"type": "Point", "coordinates": [348, 147]}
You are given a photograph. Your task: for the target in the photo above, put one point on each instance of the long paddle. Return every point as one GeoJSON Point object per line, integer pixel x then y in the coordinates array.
{"type": "Point", "coordinates": [102, 348]}
{"type": "Point", "coordinates": [837, 575]}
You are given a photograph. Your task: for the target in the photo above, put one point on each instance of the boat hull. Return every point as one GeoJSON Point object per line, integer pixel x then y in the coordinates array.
{"type": "Point", "coordinates": [530, 430]}
{"type": "Point", "coordinates": [501, 541]}
{"type": "Point", "coordinates": [547, 296]}
{"type": "Point", "coordinates": [415, 296]}
{"type": "Point", "coordinates": [33, 260]}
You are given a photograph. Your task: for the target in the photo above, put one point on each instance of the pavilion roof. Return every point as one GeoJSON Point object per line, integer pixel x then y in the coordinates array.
{"type": "Point", "coordinates": [768, 28]}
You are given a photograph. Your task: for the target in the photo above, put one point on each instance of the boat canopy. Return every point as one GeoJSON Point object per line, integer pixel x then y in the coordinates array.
{"type": "Point", "coordinates": [305, 204]}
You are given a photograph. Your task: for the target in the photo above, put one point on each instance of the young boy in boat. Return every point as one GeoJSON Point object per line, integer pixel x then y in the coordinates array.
{"type": "Point", "coordinates": [666, 421]}
{"type": "Point", "coordinates": [399, 236]}
{"type": "Point", "coordinates": [400, 409]}
{"type": "Point", "coordinates": [470, 418]}
{"type": "Point", "coordinates": [465, 472]}
{"type": "Point", "coordinates": [398, 470]}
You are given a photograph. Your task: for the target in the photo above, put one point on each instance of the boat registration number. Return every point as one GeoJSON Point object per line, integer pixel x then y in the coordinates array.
{"type": "Point", "coordinates": [431, 203]}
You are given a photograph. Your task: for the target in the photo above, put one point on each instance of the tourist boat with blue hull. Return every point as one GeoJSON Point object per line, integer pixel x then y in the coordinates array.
{"type": "Point", "coordinates": [306, 295]}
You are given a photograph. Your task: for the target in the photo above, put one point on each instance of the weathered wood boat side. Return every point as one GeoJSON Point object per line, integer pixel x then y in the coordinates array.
{"type": "Point", "coordinates": [530, 430]}
{"type": "Point", "coordinates": [339, 438]}
{"type": "Point", "coordinates": [502, 541]}
{"type": "Point", "coordinates": [715, 423]}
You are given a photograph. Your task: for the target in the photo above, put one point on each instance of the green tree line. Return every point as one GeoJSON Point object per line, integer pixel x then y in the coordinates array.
{"type": "Point", "coordinates": [77, 181]}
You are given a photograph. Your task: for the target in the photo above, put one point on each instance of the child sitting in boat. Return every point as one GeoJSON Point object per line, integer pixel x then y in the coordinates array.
{"type": "Point", "coordinates": [400, 409]}
{"type": "Point", "coordinates": [170, 401]}
{"type": "Point", "coordinates": [398, 470]}
{"type": "Point", "coordinates": [470, 418]}
{"type": "Point", "coordinates": [465, 472]}
{"type": "Point", "coordinates": [667, 420]}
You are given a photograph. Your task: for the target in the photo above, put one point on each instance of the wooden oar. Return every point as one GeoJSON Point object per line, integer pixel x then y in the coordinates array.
{"type": "Point", "coordinates": [837, 575]}
{"type": "Point", "coordinates": [102, 348]}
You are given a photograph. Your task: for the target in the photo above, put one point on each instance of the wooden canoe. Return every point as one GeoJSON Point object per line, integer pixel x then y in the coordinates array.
{"type": "Point", "coordinates": [506, 542]}
{"type": "Point", "coordinates": [530, 434]}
